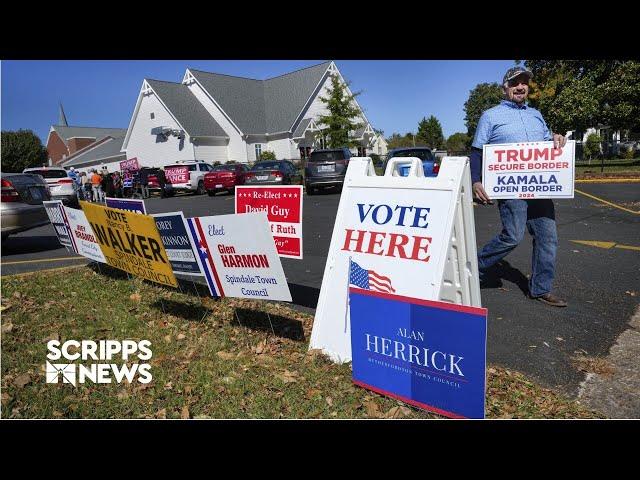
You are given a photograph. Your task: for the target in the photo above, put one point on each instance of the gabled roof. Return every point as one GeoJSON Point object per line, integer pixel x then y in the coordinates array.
{"type": "Point", "coordinates": [66, 132]}
{"type": "Point", "coordinates": [186, 109]}
{"type": "Point", "coordinates": [102, 151]}
{"type": "Point", "coordinates": [263, 106]}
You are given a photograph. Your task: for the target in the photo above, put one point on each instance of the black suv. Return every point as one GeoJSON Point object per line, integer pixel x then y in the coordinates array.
{"type": "Point", "coordinates": [326, 168]}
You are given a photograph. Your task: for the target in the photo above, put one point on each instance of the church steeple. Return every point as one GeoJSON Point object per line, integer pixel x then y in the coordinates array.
{"type": "Point", "coordinates": [62, 119]}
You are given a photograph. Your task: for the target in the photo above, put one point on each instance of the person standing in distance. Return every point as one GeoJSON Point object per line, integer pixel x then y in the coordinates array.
{"type": "Point", "coordinates": [512, 121]}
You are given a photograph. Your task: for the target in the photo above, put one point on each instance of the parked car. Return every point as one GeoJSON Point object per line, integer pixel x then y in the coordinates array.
{"type": "Point", "coordinates": [430, 164]}
{"type": "Point", "coordinates": [60, 184]}
{"type": "Point", "coordinates": [273, 172]}
{"type": "Point", "coordinates": [225, 177]}
{"type": "Point", "coordinates": [326, 168]}
{"type": "Point", "coordinates": [187, 176]}
{"type": "Point", "coordinates": [21, 207]}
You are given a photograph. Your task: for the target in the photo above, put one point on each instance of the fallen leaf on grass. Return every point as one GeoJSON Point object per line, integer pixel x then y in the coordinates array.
{"type": "Point", "coordinates": [184, 414]}
{"type": "Point", "coordinates": [122, 394]}
{"type": "Point", "coordinates": [225, 355]}
{"type": "Point", "coordinates": [312, 392]}
{"type": "Point", "coordinates": [289, 377]}
{"type": "Point", "coordinates": [135, 297]}
{"type": "Point", "coordinates": [57, 414]}
{"type": "Point", "coordinates": [168, 386]}
{"type": "Point", "coordinates": [22, 380]}
{"type": "Point", "coordinates": [260, 348]}
{"type": "Point", "coordinates": [4, 307]}
{"type": "Point", "coordinates": [181, 336]}
{"type": "Point", "coordinates": [5, 398]}
{"type": "Point", "coordinates": [398, 412]}
{"type": "Point", "coordinates": [17, 295]}
{"type": "Point", "coordinates": [188, 389]}
{"type": "Point", "coordinates": [167, 339]}
{"type": "Point", "coordinates": [329, 401]}
{"type": "Point", "coordinates": [161, 413]}
{"type": "Point", "coordinates": [7, 327]}
{"type": "Point", "coordinates": [372, 408]}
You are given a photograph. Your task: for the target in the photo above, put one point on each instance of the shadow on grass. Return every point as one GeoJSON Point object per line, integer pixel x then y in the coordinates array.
{"type": "Point", "coordinates": [282, 326]}
{"type": "Point", "coordinates": [186, 311]}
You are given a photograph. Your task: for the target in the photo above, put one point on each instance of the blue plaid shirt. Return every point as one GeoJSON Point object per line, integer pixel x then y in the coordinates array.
{"type": "Point", "coordinates": [507, 122]}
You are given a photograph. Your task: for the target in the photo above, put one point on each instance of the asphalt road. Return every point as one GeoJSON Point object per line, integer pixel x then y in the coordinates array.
{"type": "Point", "coordinates": [523, 334]}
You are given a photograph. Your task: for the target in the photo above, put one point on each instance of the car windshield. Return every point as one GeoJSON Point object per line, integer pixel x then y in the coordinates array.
{"type": "Point", "coordinates": [46, 173]}
{"type": "Point", "coordinates": [266, 166]}
{"type": "Point", "coordinates": [421, 154]}
{"type": "Point", "coordinates": [224, 168]}
{"type": "Point", "coordinates": [326, 156]}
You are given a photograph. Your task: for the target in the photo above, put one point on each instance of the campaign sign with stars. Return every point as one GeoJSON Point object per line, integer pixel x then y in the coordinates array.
{"type": "Point", "coordinates": [531, 170]}
{"type": "Point", "coordinates": [426, 353]}
{"type": "Point", "coordinates": [239, 257]}
{"type": "Point", "coordinates": [284, 212]}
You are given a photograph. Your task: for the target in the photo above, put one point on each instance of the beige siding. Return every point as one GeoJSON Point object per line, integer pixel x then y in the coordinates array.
{"type": "Point", "coordinates": [211, 150]}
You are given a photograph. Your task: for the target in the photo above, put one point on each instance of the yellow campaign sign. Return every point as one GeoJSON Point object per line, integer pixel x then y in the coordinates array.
{"type": "Point", "coordinates": [131, 242]}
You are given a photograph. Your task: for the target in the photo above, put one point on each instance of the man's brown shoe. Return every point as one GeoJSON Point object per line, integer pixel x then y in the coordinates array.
{"type": "Point", "coordinates": [551, 299]}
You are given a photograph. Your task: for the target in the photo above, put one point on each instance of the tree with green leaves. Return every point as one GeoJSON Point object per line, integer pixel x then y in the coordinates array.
{"type": "Point", "coordinates": [341, 117]}
{"type": "Point", "coordinates": [397, 141]}
{"type": "Point", "coordinates": [592, 146]}
{"type": "Point", "coordinates": [458, 142]}
{"type": "Point", "coordinates": [481, 98]}
{"type": "Point", "coordinates": [578, 94]}
{"type": "Point", "coordinates": [267, 155]}
{"type": "Point", "coordinates": [20, 150]}
{"type": "Point", "coordinates": [430, 133]}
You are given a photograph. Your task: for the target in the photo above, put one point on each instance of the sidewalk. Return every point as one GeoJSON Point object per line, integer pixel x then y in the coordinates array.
{"type": "Point", "coordinates": [615, 391]}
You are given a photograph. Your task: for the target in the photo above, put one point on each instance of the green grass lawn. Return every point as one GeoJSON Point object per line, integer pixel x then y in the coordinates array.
{"type": "Point", "coordinates": [211, 358]}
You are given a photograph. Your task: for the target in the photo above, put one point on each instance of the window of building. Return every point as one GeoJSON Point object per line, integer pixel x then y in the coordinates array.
{"type": "Point", "coordinates": [153, 115]}
{"type": "Point", "coordinates": [258, 150]}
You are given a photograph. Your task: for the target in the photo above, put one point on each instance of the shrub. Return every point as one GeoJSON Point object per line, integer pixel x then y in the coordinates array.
{"type": "Point", "coordinates": [267, 155]}
{"type": "Point", "coordinates": [592, 145]}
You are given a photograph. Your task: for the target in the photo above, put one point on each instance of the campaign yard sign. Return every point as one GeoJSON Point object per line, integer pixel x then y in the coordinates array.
{"type": "Point", "coordinates": [131, 242]}
{"type": "Point", "coordinates": [411, 235]}
{"type": "Point", "coordinates": [532, 170]}
{"type": "Point", "coordinates": [426, 353]}
{"type": "Point", "coordinates": [83, 236]}
{"type": "Point", "coordinates": [56, 214]}
{"type": "Point", "coordinates": [177, 174]}
{"type": "Point", "coordinates": [239, 256]}
{"type": "Point", "coordinates": [128, 204]}
{"type": "Point", "coordinates": [178, 243]}
{"type": "Point", "coordinates": [284, 212]}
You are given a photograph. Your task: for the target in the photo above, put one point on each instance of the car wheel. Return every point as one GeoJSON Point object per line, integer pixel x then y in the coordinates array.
{"type": "Point", "coordinates": [211, 192]}
{"type": "Point", "coordinates": [200, 189]}
{"type": "Point", "coordinates": [310, 190]}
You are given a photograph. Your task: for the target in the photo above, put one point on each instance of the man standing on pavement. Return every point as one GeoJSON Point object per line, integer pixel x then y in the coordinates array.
{"type": "Point", "coordinates": [514, 121]}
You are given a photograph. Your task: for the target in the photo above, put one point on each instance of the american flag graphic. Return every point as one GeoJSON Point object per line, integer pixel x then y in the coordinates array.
{"type": "Point", "coordinates": [368, 279]}
{"type": "Point", "coordinates": [205, 257]}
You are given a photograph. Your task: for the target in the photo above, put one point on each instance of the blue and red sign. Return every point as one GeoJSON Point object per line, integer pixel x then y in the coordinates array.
{"type": "Point", "coordinates": [428, 354]}
{"type": "Point", "coordinates": [128, 204]}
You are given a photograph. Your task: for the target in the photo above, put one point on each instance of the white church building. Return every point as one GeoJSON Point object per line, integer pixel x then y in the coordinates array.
{"type": "Point", "coordinates": [219, 118]}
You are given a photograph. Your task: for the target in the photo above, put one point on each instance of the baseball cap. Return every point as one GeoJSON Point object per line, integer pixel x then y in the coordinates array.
{"type": "Point", "coordinates": [513, 72]}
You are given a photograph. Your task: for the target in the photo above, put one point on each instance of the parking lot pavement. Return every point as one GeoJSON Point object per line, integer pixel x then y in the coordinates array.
{"type": "Point", "coordinates": [601, 285]}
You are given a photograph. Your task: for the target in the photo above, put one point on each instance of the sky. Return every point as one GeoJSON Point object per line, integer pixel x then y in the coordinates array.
{"type": "Point", "coordinates": [396, 94]}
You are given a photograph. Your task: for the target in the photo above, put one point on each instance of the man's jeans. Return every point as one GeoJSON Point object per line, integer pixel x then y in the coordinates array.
{"type": "Point", "coordinates": [540, 219]}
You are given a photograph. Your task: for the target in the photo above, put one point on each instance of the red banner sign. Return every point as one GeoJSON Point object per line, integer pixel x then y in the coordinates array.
{"type": "Point", "coordinates": [284, 212]}
{"type": "Point", "coordinates": [177, 174]}
{"type": "Point", "coordinates": [129, 165]}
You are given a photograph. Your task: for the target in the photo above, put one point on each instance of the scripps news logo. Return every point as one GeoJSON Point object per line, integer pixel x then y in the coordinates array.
{"type": "Point", "coordinates": [106, 354]}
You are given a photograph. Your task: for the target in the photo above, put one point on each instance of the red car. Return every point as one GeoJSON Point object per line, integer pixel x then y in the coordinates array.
{"type": "Point", "coordinates": [225, 177]}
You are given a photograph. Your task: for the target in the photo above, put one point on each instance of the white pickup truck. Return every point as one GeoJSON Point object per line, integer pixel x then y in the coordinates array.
{"type": "Point", "coordinates": [187, 175]}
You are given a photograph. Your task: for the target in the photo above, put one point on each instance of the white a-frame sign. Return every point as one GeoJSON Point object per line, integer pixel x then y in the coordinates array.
{"type": "Point", "coordinates": [411, 236]}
